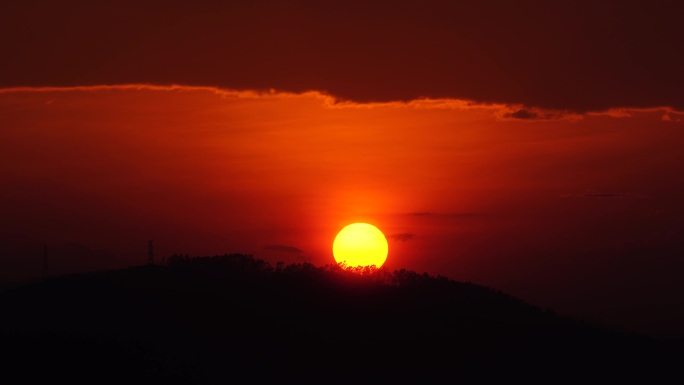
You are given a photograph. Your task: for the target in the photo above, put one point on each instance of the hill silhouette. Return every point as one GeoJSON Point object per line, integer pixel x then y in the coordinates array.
{"type": "Point", "coordinates": [213, 320]}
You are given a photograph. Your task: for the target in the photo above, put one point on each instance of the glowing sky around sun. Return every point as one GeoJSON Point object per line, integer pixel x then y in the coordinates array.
{"type": "Point", "coordinates": [459, 189]}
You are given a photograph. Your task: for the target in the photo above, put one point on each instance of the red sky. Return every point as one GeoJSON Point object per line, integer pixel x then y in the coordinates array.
{"type": "Point", "coordinates": [530, 147]}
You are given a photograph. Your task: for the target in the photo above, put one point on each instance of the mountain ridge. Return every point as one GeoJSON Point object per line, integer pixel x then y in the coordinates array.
{"type": "Point", "coordinates": [213, 319]}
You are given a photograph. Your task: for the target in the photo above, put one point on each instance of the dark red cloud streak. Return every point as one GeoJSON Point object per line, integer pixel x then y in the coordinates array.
{"type": "Point", "coordinates": [578, 56]}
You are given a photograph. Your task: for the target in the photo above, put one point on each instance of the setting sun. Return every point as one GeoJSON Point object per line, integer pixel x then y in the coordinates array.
{"type": "Point", "coordinates": [360, 244]}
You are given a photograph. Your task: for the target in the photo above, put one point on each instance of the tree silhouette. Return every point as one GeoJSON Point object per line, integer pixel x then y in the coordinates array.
{"type": "Point", "coordinates": [218, 318]}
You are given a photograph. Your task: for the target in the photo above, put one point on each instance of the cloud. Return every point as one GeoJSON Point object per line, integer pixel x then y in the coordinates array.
{"type": "Point", "coordinates": [666, 114]}
{"type": "Point", "coordinates": [403, 237]}
{"type": "Point", "coordinates": [445, 215]}
{"type": "Point", "coordinates": [522, 113]}
{"type": "Point", "coordinates": [671, 116]}
{"type": "Point", "coordinates": [284, 249]}
{"type": "Point", "coordinates": [604, 195]}
{"type": "Point", "coordinates": [516, 53]}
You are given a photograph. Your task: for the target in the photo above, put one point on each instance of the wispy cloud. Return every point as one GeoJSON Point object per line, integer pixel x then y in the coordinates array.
{"type": "Point", "coordinates": [612, 195]}
{"type": "Point", "coordinates": [284, 249]}
{"type": "Point", "coordinates": [445, 215]}
{"type": "Point", "coordinates": [605, 195]}
{"type": "Point", "coordinates": [525, 113]}
{"type": "Point", "coordinates": [402, 237]}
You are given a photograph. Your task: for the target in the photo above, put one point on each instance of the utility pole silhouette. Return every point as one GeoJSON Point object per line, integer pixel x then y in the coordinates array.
{"type": "Point", "coordinates": [46, 272]}
{"type": "Point", "coordinates": [150, 253]}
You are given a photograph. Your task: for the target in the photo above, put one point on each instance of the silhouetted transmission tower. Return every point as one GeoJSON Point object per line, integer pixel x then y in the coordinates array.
{"type": "Point", "coordinates": [150, 253]}
{"type": "Point", "coordinates": [45, 263]}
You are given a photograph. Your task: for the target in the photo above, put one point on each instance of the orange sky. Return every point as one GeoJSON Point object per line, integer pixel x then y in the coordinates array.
{"type": "Point", "coordinates": [531, 146]}
{"type": "Point", "coordinates": [541, 207]}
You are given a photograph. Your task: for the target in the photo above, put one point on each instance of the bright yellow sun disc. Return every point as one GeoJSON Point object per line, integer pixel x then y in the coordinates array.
{"type": "Point", "coordinates": [360, 244]}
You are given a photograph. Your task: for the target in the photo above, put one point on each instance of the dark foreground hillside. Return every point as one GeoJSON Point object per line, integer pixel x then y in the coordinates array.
{"type": "Point", "coordinates": [232, 318]}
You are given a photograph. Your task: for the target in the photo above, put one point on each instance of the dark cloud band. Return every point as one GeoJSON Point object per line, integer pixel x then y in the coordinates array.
{"type": "Point", "coordinates": [570, 56]}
